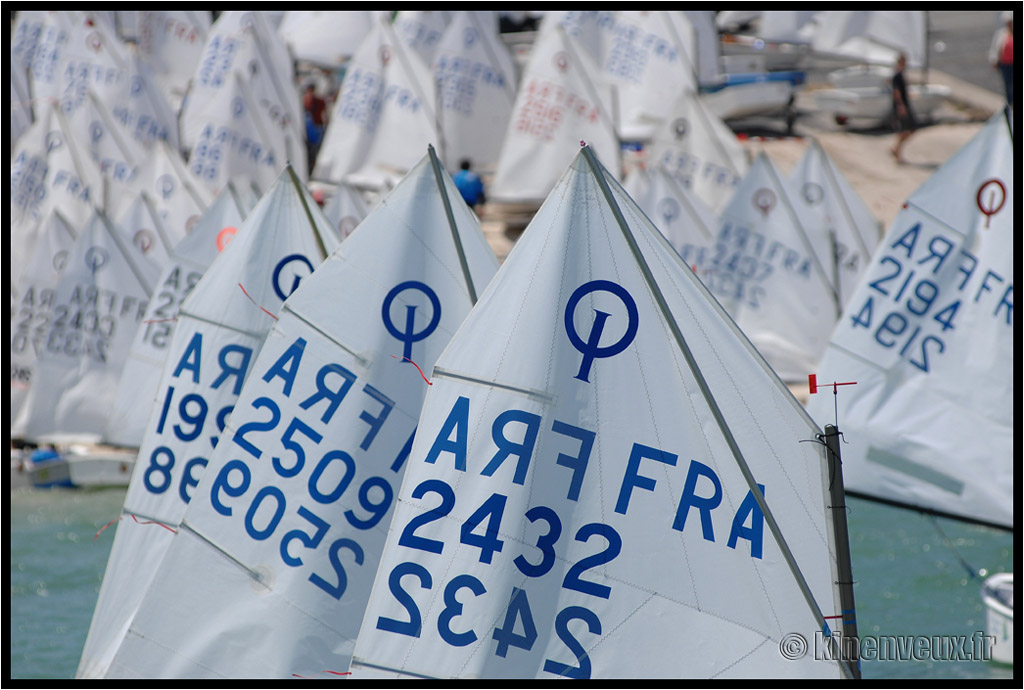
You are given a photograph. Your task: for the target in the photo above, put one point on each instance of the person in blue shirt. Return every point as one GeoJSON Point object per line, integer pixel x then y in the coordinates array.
{"type": "Point", "coordinates": [470, 185]}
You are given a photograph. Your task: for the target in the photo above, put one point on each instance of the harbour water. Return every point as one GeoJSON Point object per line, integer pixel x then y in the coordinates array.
{"type": "Point", "coordinates": [911, 584]}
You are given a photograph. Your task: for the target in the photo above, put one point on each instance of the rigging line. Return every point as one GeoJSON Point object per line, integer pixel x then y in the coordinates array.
{"type": "Point", "coordinates": [263, 309]}
{"type": "Point", "coordinates": [716, 412]}
{"type": "Point", "coordinates": [970, 571]}
{"type": "Point", "coordinates": [930, 511]}
{"type": "Point", "coordinates": [302, 192]}
{"type": "Point", "coordinates": [452, 225]}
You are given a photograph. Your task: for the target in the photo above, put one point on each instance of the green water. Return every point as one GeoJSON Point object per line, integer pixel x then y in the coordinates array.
{"type": "Point", "coordinates": [909, 581]}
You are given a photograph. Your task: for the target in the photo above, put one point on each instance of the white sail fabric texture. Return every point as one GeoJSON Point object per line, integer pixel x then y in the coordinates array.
{"type": "Point", "coordinates": [928, 337]}
{"type": "Point", "coordinates": [273, 564]}
{"type": "Point", "coordinates": [766, 271]}
{"type": "Point", "coordinates": [572, 506]}
{"type": "Point", "coordinates": [327, 37]}
{"type": "Point", "coordinates": [221, 326]}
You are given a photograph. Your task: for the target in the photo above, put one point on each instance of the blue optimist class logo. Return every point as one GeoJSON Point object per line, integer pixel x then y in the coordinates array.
{"type": "Point", "coordinates": [292, 262]}
{"type": "Point", "coordinates": [591, 348]}
{"type": "Point", "coordinates": [410, 335]}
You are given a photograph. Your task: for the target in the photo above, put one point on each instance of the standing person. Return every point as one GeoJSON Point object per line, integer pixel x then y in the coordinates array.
{"type": "Point", "coordinates": [903, 116]}
{"type": "Point", "coordinates": [470, 185]}
{"type": "Point", "coordinates": [1000, 54]}
{"type": "Point", "coordinates": [315, 108]}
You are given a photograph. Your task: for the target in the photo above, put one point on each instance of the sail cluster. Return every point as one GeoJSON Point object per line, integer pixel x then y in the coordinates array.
{"type": "Point", "coordinates": [367, 447]}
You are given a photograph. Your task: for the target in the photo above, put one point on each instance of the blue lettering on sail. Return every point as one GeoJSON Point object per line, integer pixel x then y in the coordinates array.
{"type": "Point", "coordinates": [299, 506]}
{"type": "Point", "coordinates": [920, 287]}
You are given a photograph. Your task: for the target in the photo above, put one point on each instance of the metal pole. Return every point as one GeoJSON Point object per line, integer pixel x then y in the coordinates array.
{"type": "Point", "coordinates": [849, 642]}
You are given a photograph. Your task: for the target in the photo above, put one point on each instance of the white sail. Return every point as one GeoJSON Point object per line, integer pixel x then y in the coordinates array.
{"type": "Point", "coordinates": [33, 311]}
{"type": "Point", "coordinates": [49, 170]}
{"type": "Point", "coordinates": [685, 221]}
{"type": "Point", "coordinates": [327, 38]}
{"type": "Point", "coordinates": [346, 209]}
{"type": "Point", "coordinates": [26, 29]}
{"type": "Point", "coordinates": [171, 42]}
{"type": "Point", "coordinates": [115, 154]}
{"type": "Point", "coordinates": [186, 264]}
{"type": "Point", "coordinates": [242, 115]}
{"type": "Point", "coordinates": [928, 337]}
{"type": "Point", "coordinates": [246, 43]}
{"type": "Point", "coordinates": [582, 494]}
{"type": "Point", "coordinates": [877, 36]}
{"type": "Point", "coordinates": [22, 48]}
{"type": "Point", "coordinates": [643, 55]}
{"type": "Point", "coordinates": [146, 242]}
{"type": "Point", "coordinates": [765, 270]}
{"type": "Point", "coordinates": [234, 138]}
{"type": "Point", "coordinates": [787, 26]}
{"type": "Point", "coordinates": [560, 102]}
{"type": "Point", "coordinates": [178, 197]}
{"type": "Point", "coordinates": [421, 31]}
{"type": "Point", "coordinates": [828, 201]}
{"type": "Point", "coordinates": [98, 303]}
{"type": "Point", "coordinates": [220, 328]}
{"type": "Point", "coordinates": [385, 115]}
{"type": "Point", "coordinates": [476, 83]}
{"type": "Point", "coordinates": [76, 54]}
{"type": "Point", "coordinates": [143, 109]}
{"type": "Point", "coordinates": [252, 595]}
{"type": "Point", "coordinates": [699, 148]}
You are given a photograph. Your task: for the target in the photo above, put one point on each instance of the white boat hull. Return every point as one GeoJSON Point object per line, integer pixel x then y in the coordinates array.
{"type": "Point", "coordinates": [100, 467]}
{"type": "Point", "coordinates": [997, 593]}
{"type": "Point", "coordinates": [750, 100]}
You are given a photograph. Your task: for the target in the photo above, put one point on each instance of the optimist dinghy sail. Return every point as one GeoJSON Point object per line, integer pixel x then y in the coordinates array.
{"type": "Point", "coordinates": [559, 101]}
{"type": "Point", "coordinates": [602, 463]}
{"type": "Point", "coordinates": [821, 190]}
{"type": "Point", "coordinates": [928, 337]}
{"type": "Point", "coordinates": [97, 306]}
{"type": "Point", "coordinates": [188, 261]}
{"type": "Point", "coordinates": [220, 328]}
{"type": "Point", "coordinates": [766, 271]}
{"type": "Point", "coordinates": [684, 220]}
{"type": "Point", "coordinates": [476, 83]}
{"type": "Point", "coordinates": [385, 112]}
{"type": "Point", "coordinates": [279, 546]}
{"type": "Point", "coordinates": [697, 147]}
{"type": "Point", "coordinates": [34, 309]}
